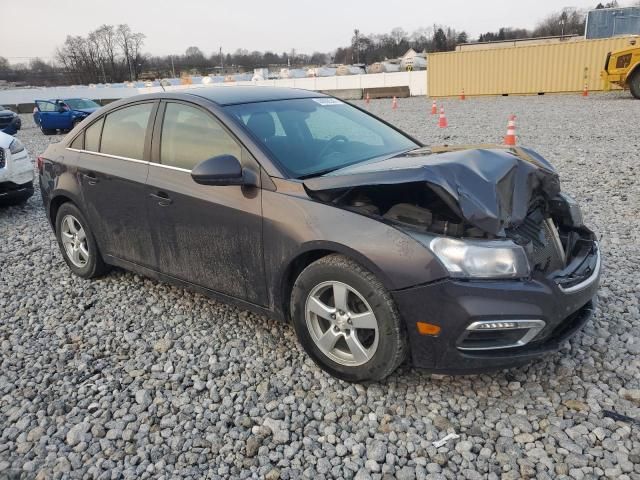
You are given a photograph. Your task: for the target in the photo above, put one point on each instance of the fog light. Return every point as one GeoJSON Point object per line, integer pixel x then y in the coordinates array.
{"type": "Point", "coordinates": [496, 326]}
{"type": "Point", "coordinates": [496, 334]}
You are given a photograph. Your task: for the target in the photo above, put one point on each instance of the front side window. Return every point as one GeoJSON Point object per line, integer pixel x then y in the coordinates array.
{"type": "Point", "coordinates": [312, 136]}
{"type": "Point", "coordinates": [191, 135]}
{"type": "Point", "coordinates": [124, 131]}
{"type": "Point", "coordinates": [46, 106]}
{"type": "Point", "coordinates": [92, 136]}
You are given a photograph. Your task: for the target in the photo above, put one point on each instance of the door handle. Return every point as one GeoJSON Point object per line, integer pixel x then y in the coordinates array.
{"type": "Point", "coordinates": [163, 199]}
{"type": "Point", "coordinates": [91, 178]}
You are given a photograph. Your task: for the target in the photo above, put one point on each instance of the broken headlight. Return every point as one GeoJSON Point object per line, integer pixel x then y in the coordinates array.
{"type": "Point", "coordinates": [481, 259]}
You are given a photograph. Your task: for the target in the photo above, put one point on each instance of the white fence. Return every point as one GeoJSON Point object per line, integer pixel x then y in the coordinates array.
{"type": "Point", "coordinates": [416, 81]}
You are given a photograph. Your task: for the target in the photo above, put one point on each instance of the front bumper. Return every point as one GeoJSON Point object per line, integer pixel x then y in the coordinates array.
{"type": "Point", "coordinates": [454, 305]}
{"type": "Point", "coordinates": [12, 191]}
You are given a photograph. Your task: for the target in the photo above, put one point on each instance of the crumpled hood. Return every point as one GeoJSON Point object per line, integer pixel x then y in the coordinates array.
{"type": "Point", "coordinates": [489, 186]}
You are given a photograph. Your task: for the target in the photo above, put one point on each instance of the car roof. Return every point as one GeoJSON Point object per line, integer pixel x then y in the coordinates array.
{"type": "Point", "coordinates": [237, 94]}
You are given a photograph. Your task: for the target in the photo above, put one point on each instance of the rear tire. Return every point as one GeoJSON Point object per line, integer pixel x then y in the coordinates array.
{"type": "Point", "coordinates": [77, 243]}
{"type": "Point", "coordinates": [634, 84]}
{"type": "Point", "coordinates": [347, 321]}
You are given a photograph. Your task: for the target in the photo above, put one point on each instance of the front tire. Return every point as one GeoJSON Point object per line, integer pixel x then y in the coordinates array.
{"type": "Point", "coordinates": [634, 84]}
{"type": "Point", "coordinates": [347, 321]}
{"type": "Point", "coordinates": [77, 243]}
{"type": "Point", "coordinates": [47, 131]}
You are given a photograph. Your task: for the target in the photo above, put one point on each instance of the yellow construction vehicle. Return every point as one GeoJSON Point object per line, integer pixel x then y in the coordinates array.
{"type": "Point", "coordinates": [622, 68]}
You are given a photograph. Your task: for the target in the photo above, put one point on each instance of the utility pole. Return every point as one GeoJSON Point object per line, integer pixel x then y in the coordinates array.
{"type": "Point", "coordinates": [173, 70]}
{"type": "Point", "coordinates": [221, 60]}
{"type": "Point", "coordinates": [356, 45]}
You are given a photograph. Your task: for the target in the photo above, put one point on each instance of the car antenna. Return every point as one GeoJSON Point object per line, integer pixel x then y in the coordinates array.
{"type": "Point", "coordinates": [162, 86]}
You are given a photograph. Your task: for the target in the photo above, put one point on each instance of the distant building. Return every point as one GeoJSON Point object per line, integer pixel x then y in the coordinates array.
{"type": "Point", "coordinates": [612, 22]}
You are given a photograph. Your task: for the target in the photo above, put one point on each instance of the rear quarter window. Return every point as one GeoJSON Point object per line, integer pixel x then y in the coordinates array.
{"type": "Point", "coordinates": [78, 142]}
{"type": "Point", "coordinates": [92, 136]}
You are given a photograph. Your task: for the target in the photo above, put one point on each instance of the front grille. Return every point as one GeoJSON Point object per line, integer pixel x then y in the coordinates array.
{"type": "Point", "coordinates": [3, 161]}
{"type": "Point", "coordinates": [623, 61]}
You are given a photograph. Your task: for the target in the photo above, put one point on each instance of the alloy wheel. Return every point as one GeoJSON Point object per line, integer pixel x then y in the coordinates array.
{"type": "Point", "coordinates": [74, 240]}
{"type": "Point", "coordinates": [341, 323]}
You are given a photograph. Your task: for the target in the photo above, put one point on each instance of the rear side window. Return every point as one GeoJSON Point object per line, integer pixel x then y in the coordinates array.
{"type": "Point", "coordinates": [190, 135]}
{"type": "Point", "coordinates": [92, 136]}
{"type": "Point", "coordinates": [125, 130]}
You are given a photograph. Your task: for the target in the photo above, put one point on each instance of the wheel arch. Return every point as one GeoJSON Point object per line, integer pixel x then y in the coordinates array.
{"type": "Point", "coordinates": [632, 71]}
{"type": "Point", "coordinates": [56, 202]}
{"type": "Point", "coordinates": [306, 256]}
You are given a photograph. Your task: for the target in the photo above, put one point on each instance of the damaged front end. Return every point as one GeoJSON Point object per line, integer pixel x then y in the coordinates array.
{"type": "Point", "coordinates": [499, 208]}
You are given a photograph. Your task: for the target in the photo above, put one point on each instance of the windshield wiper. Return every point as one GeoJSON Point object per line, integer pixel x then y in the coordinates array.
{"type": "Point", "coordinates": [319, 173]}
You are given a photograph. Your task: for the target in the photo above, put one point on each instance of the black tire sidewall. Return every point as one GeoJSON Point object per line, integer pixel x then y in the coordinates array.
{"type": "Point", "coordinates": [378, 300]}
{"type": "Point", "coordinates": [634, 84]}
{"type": "Point", "coordinates": [94, 266]}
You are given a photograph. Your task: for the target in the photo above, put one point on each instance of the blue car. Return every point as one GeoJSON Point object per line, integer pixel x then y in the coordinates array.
{"type": "Point", "coordinates": [54, 115]}
{"type": "Point", "coordinates": [10, 122]}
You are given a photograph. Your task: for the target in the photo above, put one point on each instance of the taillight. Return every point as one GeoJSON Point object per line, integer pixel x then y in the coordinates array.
{"type": "Point", "coordinates": [39, 163]}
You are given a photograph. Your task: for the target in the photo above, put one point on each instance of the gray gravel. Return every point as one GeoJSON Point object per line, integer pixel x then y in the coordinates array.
{"type": "Point", "coordinates": [125, 377]}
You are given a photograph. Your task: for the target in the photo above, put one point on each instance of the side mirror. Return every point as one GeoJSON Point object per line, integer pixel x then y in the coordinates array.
{"type": "Point", "coordinates": [220, 170]}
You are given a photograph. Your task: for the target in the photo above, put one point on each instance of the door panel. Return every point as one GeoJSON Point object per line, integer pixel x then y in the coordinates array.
{"type": "Point", "coordinates": [207, 235]}
{"type": "Point", "coordinates": [115, 197]}
{"type": "Point", "coordinates": [113, 171]}
{"type": "Point", "coordinates": [50, 117]}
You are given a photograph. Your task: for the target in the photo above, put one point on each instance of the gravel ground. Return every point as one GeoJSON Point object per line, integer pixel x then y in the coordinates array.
{"type": "Point", "coordinates": [125, 377]}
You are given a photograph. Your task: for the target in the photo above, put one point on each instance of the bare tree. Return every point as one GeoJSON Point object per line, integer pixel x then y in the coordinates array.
{"type": "Point", "coordinates": [569, 21]}
{"type": "Point", "coordinates": [106, 54]}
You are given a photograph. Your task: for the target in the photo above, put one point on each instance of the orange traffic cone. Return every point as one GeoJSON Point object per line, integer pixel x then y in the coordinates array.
{"type": "Point", "coordinates": [462, 97]}
{"type": "Point", "coordinates": [434, 108]}
{"type": "Point", "coordinates": [443, 120]}
{"type": "Point", "coordinates": [585, 91]}
{"type": "Point", "coordinates": [510, 137]}
{"type": "Point", "coordinates": [368, 99]}
{"type": "Point", "coordinates": [394, 104]}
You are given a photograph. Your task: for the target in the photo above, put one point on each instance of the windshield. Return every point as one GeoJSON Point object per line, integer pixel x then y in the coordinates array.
{"type": "Point", "coordinates": [313, 136]}
{"type": "Point", "coordinates": [81, 103]}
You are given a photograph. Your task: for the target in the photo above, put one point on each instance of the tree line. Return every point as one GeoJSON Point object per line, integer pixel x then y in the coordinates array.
{"type": "Point", "coordinates": [111, 54]}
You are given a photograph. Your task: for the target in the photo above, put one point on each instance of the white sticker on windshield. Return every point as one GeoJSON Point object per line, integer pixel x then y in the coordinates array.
{"type": "Point", "coordinates": [328, 101]}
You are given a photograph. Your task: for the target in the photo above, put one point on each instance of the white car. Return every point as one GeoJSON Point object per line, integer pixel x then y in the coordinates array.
{"type": "Point", "coordinates": [16, 171]}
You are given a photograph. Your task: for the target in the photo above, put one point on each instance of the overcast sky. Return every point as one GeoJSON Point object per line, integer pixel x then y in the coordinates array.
{"type": "Point", "coordinates": [32, 28]}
